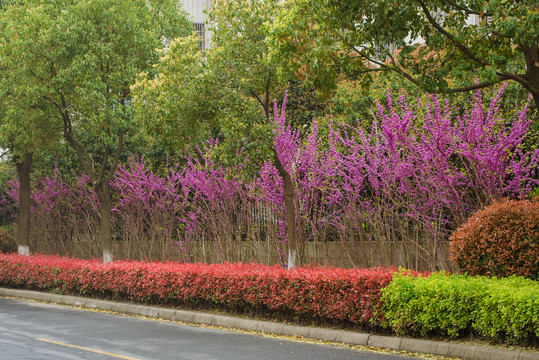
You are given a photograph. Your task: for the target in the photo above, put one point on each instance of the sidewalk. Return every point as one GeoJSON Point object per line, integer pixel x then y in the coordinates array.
{"type": "Point", "coordinates": [348, 337]}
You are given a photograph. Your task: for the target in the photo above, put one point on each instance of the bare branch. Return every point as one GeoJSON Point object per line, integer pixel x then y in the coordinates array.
{"type": "Point", "coordinates": [373, 70]}
{"type": "Point", "coordinates": [36, 75]}
{"type": "Point", "coordinates": [266, 108]}
{"type": "Point", "coordinates": [522, 79]}
{"type": "Point", "coordinates": [368, 58]}
{"type": "Point", "coordinates": [399, 70]}
{"type": "Point", "coordinates": [255, 95]}
{"type": "Point", "coordinates": [51, 100]}
{"type": "Point", "coordinates": [116, 159]}
{"type": "Point", "coordinates": [383, 67]}
{"type": "Point", "coordinates": [85, 159]}
{"type": "Point", "coordinates": [481, 85]}
{"type": "Point", "coordinates": [497, 33]}
{"type": "Point", "coordinates": [104, 163]}
{"type": "Point", "coordinates": [4, 153]}
{"type": "Point", "coordinates": [467, 10]}
{"type": "Point", "coordinates": [444, 32]}
{"type": "Point", "coordinates": [501, 76]}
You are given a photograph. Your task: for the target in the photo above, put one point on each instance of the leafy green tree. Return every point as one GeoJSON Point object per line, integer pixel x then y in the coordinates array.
{"type": "Point", "coordinates": [188, 98]}
{"type": "Point", "coordinates": [182, 100]}
{"type": "Point", "coordinates": [241, 49]}
{"type": "Point", "coordinates": [89, 56]}
{"type": "Point", "coordinates": [464, 40]}
{"type": "Point", "coordinates": [26, 120]}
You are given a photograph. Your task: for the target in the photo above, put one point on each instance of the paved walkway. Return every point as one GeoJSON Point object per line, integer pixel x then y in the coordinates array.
{"type": "Point", "coordinates": [354, 338]}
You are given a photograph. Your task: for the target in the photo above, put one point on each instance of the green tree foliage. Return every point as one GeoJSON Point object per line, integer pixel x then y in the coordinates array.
{"type": "Point", "coordinates": [84, 57]}
{"type": "Point", "coordinates": [26, 122]}
{"type": "Point", "coordinates": [240, 46]}
{"type": "Point", "coordinates": [464, 40]}
{"type": "Point", "coordinates": [6, 208]}
{"type": "Point", "coordinates": [223, 92]}
{"type": "Point", "coordinates": [243, 30]}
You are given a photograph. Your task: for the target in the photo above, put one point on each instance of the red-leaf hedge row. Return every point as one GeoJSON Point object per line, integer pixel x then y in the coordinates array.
{"type": "Point", "coordinates": [331, 294]}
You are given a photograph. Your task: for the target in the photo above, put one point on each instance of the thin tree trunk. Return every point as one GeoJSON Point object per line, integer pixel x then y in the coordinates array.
{"type": "Point", "coordinates": [99, 177]}
{"type": "Point", "coordinates": [23, 233]}
{"type": "Point", "coordinates": [288, 195]}
{"type": "Point", "coordinates": [290, 210]}
{"type": "Point", "coordinates": [105, 213]}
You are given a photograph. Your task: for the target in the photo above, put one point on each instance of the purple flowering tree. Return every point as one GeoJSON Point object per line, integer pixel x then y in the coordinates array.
{"type": "Point", "coordinates": [398, 189]}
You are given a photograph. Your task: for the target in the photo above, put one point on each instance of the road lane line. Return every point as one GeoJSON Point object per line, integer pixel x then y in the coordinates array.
{"type": "Point", "coordinates": [88, 349]}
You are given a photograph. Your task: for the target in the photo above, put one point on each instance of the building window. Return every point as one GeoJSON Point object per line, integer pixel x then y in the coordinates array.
{"type": "Point", "coordinates": [199, 28]}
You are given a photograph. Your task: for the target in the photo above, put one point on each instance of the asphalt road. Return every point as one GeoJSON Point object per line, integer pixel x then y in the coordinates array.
{"type": "Point", "coordinates": [39, 331]}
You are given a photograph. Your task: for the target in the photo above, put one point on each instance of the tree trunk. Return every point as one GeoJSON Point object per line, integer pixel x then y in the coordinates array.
{"type": "Point", "coordinates": [290, 211]}
{"type": "Point", "coordinates": [23, 233]}
{"type": "Point", "coordinates": [105, 212]}
{"type": "Point", "coordinates": [100, 177]}
{"type": "Point", "coordinates": [288, 195]}
{"type": "Point", "coordinates": [531, 54]}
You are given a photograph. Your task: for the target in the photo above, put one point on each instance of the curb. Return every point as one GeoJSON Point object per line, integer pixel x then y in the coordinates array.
{"type": "Point", "coordinates": [340, 336]}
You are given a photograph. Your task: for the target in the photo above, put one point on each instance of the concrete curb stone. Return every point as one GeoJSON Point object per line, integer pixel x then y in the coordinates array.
{"type": "Point", "coordinates": [234, 322]}
{"type": "Point", "coordinates": [462, 351]}
{"type": "Point", "coordinates": [293, 330]}
{"type": "Point", "coordinates": [167, 314]}
{"type": "Point", "coordinates": [457, 350]}
{"type": "Point", "coordinates": [353, 338]}
{"type": "Point", "coordinates": [386, 342]}
{"type": "Point", "coordinates": [78, 301]}
{"type": "Point", "coordinates": [483, 353]}
{"type": "Point", "coordinates": [269, 327]}
{"type": "Point", "coordinates": [182, 315]}
{"type": "Point", "coordinates": [323, 334]}
{"type": "Point", "coordinates": [419, 345]}
{"type": "Point", "coordinates": [133, 309]}
{"type": "Point", "coordinates": [202, 318]}
{"type": "Point", "coordinates": [119, 307]}
{"type": "Point", "coordinates": [98, 304]}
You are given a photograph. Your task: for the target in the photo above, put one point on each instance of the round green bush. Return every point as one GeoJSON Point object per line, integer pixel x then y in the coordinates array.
{"type": "Point", "coordinates": [501, 240]}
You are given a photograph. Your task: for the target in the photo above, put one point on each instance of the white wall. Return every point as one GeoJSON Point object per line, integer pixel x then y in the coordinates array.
{"type": "Point", "coordinates": [196, 9]}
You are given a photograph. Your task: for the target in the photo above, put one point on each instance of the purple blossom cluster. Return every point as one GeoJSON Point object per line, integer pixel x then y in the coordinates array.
{"type": "Point", "coordinates": [413, 178]}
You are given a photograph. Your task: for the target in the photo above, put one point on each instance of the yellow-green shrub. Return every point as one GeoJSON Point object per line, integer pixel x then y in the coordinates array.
{"type": "Point", "coordinates": [458, 304]}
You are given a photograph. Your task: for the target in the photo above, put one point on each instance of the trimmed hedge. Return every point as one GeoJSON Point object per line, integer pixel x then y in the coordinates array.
{"type": "Point", "coordinates": [331, 294]}
{"type": "Point", "coordinates": [404, 301]}
{"type": "Point", "coordinates": [500, 240]}
{"type": "Point", "coordinates": [456, 304]}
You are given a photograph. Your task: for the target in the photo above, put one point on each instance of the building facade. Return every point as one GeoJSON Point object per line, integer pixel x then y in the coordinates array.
{"type": "Point", "coordinates": [197, 10]}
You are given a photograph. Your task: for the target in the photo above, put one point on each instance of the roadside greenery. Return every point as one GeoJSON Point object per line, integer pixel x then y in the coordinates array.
{"type": "Point", "coordinates": [499, 240]}
{"type": "Point", "coordinates": [414, 177]}
{"type": "Point", "coordinates": [404, 302]}
{"type": "Point", "coordinates": [306, 122]}
{"type": "Point", "coordinates": [453, 305]}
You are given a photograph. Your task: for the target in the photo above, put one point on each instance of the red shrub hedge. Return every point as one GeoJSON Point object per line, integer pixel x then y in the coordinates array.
{"type": "Point", "coordinates": [501, 240]}
{"type": "Point", "coordinates": [309, 292]}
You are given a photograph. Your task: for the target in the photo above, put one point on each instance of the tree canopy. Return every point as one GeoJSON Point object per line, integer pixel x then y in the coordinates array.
{"type": "Point", "coordinates": [81, 60]}
{"type": "Point", "coordinates": [442, 46]}
{"type": "Point", "coordinates": [222, 92]}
